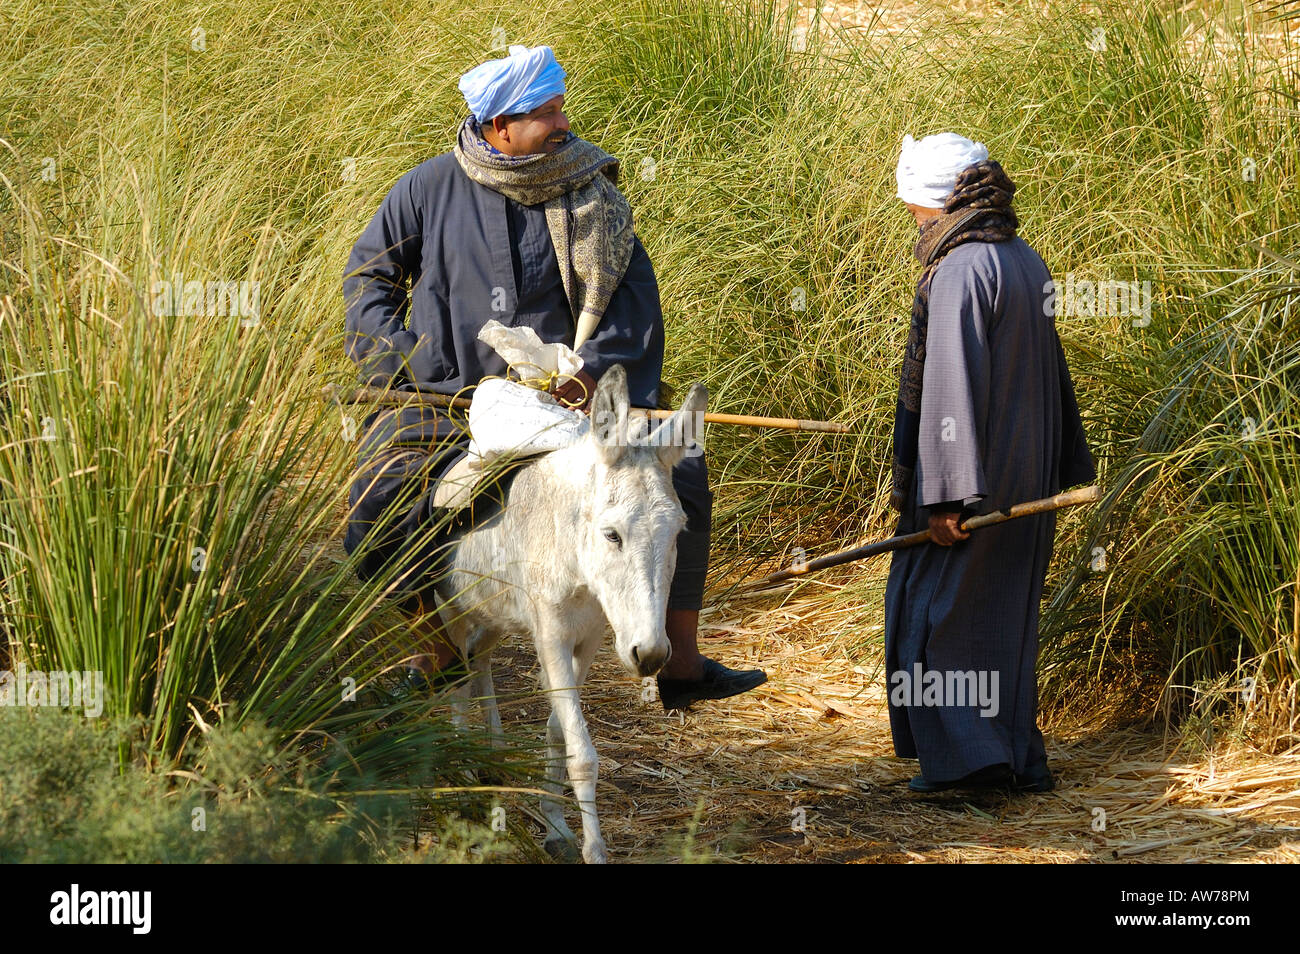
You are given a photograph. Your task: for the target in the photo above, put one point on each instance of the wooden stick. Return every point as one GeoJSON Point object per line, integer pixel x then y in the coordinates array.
{"type": "Point", "coordinates": [1070, 499]}
{"type": "Point", "coordinates": [749, 420]}
{"type": "Point", "coordinates": [380, 396]}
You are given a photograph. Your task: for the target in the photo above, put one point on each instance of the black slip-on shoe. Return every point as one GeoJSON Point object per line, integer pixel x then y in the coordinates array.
{"type": "Point", "coordinates": [991, 776]}
{"type": "Point", "coordinates": [718, 682]}
{"type": "Point", "coordinates": [1035, 778]}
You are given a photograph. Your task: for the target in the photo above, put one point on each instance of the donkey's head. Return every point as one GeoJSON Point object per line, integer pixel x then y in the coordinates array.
{"type": "Point", "coordinates": [632, 517]}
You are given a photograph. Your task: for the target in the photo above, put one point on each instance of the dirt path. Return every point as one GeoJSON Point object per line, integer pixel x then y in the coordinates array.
{"type": "Point", "coordinates": [802, 770]}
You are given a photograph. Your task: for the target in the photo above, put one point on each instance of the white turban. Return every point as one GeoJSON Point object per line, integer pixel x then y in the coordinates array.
{"type": "Point", "coordinates": [928, 170]}
{"type": "Point", "coordinates": [517, 83]}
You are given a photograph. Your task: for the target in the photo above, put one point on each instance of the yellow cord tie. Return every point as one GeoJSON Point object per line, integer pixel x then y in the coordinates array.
{"type": "Point", "coordinates": [542, 382]}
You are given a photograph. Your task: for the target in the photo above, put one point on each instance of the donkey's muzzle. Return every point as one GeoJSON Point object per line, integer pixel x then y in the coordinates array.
{"type": "Point", "coordinates": [648, 660]}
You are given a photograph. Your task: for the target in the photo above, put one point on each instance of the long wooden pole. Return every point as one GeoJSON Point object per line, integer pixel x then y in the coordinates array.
{"type": "Point", "coordinates": [381, 396]}
{"type": "Point", "coordinates": [1071, 498]}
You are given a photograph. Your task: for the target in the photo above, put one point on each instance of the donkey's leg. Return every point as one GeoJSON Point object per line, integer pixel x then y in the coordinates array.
{"type": "Point", "coordinates": [459, 698]}
{"type": "Point", "coordinates": [477, 649]}
{"type": "Point", "coordinates": [559, 835]}
{"type": "Point", "coordinates": [560, 840]}
{"type": "Point", "coordinates": [559, 666]}
{"type": "Point", "coordinates": [482, 689]}
{"type": "Point", "coordinates": [453, 635]}
{"type": "Point", "coordinates": [459, 703]}
{"type": "Point", "coordinates": [584, 653]}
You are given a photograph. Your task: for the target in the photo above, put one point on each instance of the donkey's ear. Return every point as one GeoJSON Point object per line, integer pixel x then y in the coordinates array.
{"type": "Point", "coordinates": [609, 414]}
{"type": "Point", "coordinates": [680, 435]}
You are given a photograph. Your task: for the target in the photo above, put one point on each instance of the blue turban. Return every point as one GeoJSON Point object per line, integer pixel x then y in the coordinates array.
{"type": "Point", "coordinates": [517, 83]}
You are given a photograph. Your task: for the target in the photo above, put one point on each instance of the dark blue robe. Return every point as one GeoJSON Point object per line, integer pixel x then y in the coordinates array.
{"type": "Point", "coordinates": [999, 426]}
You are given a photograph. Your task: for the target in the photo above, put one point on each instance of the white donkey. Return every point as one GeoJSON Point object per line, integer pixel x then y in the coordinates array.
{"type": "Point", "coordinates": [588, 535]}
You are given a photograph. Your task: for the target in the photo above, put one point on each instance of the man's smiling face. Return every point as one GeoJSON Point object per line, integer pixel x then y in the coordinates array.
{"type": "Point", "coordinates": [543, 129]}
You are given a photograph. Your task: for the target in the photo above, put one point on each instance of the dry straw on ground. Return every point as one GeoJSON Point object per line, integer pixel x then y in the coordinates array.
{"type": "Point", "coordinates": [802, 769]}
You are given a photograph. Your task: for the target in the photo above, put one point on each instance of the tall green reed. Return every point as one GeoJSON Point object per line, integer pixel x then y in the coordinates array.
{"type": "Point", "coordinates": [172, 492]}
{"type": "Point", "coordinates": [760, 168]}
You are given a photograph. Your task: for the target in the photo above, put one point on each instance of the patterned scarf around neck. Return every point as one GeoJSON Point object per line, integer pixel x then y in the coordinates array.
{"type": "Point", "coordinates": [979, 210]}
{"type": "Point", "coordinates": [590, 221]}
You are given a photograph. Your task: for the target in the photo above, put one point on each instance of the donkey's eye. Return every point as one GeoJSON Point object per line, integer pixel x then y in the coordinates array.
{"type": "Point", "coordinates": [613, 537]}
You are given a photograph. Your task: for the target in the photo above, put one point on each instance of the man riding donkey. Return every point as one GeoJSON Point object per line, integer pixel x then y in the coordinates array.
{"type": "Point", "coordinates": [521, 222]}
{"type": "Point", "coordinates": [986, 417]}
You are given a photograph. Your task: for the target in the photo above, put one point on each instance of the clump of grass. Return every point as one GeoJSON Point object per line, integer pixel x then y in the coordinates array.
{"type": "Point", "coordinates": [171, 504]}
{"type": "Point", "coordinates": [1158, 150]}
{"type": "Point", "coordinates": [760, 168]}
{"type": "Point", "coordinates": [1204, 561]}
{"type": "Point", "coordinates": [63, 799]}
{"type": "Point", "coordinates": [762, 181]}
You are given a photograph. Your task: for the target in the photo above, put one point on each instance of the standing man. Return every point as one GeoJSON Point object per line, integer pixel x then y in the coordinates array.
{"type": "Point", "coordinates": [522, 222]}
{"type": "Point", "coordinates": [986, 417]}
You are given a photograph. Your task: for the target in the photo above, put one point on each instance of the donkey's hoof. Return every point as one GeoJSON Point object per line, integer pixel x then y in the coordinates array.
{"type": "Point", "coordinates": [593, 853]}
{"type": "Point", "coordinates": [562, 849]}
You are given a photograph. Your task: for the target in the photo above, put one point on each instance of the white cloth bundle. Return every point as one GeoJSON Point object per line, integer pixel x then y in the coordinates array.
{"type": "Point", "coordinates": [509, 419]}
{"type": "Point", "coordinates": [526, 354]}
